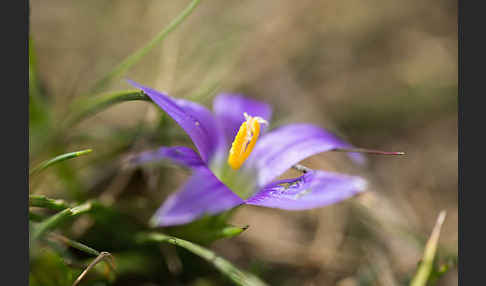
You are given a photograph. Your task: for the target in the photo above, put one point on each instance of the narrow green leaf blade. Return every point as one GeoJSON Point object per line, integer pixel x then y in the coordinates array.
{"type": "Point", "coordinates": [34, 89]}
{"type": "Point", "coordinates": [42, 201]}
{"type": "Point", "coordinates": [75, 244]}
{"type": "Point", "coordinates": [55, 220]}
{"type": "Point", "coordinates": [58, 159]}
{"type": "Point", "coordinates": [139, 54]}
{"type": "Point", "coordinates": [35, 217]}
{"type": "Point", "coordinates": [91, 106]}
{"type": "Point", "coordinates": [422, 275]}
{"type": "Point", "coordinates": [206, 229]}
{"type": "Point", "coordinates": [236, 275]}
{"type": "Point", "coordinates": [39, 113]}
{"type": "Point", "coordinates": [230, 231]}
{"type": "Point", "coordinates": [50, 223]}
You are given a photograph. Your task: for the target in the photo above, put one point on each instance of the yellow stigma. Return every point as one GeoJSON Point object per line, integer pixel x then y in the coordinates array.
{"type": "Point", "coordinates": [245, 141]}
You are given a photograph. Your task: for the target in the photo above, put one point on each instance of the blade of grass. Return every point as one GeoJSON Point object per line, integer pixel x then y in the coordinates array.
{"type": "Point", "coordinates": [91, 106]}
{"type": "Point", "coordinates": [50, 223]}
{"type": "Point", "coordinates": [39, 113]}
{"type": "Point", "coordinates": [74, 244]}
{"type": "Point", "coordinates": [58, 159]}
{"type": "Point", "coordinates": [55, 220]}
{"type": "Point", "coordinates": [422, 275]}
{"type": "Point", "coordinates": [84, 108]}
{"type": "Point", "coordinates": [230, 231]}
{"type": "Point", "coordinates": [35, 217]}
{"type": "Point", "coordinates": [45, 202]}
{"type": "Point", "coordinates": [84, 248]}
{"type": "Point", "coordinates": [136, 56]}
{"type": "Point", "coordinates": [225, 267]}
{"type": "Point", "coordinates": [35, 89]}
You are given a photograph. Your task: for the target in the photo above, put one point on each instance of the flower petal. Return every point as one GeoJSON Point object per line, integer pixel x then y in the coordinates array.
{"type": "Point", "coordinates": [229, 109]}
{"type": "Point", "coordinates": [286, 146]}
{"type": "Point", "coordinates": [202, 194]}
{"type": "Point", "coordinates": [195, 119]}
{"type": "Point", "coordinates": [311, 190]}
{"type": "Point", "coordinates": [180, 155]}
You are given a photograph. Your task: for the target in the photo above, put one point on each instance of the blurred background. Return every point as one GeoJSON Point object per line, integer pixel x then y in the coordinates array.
{"type": "Point", "coordinates": [382, 74]}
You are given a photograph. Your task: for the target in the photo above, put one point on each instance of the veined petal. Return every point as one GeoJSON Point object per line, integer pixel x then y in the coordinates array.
{"type": "Point", "coordinates": [229, 109]}
{"type": "Point", "coordinates": [311, 190]}
{"type": "Point", "coordinates": [286, 146]}
{"type": "Point", "coordinates": [180, 155]}
{"type": "Point", "coordinates": [202, 194]}
{"type": "Point", "coordinates": [195, 119]}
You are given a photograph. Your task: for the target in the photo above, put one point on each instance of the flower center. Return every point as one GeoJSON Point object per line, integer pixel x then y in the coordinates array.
{"type": "Point", "coordinates": [245, 140]}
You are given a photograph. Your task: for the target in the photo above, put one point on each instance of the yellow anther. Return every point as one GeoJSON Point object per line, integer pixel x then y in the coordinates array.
{"type": "Point", "coordinates": [245, 141]}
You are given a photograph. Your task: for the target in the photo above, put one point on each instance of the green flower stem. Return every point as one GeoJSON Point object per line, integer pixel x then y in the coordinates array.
{"type": "Point", "coordinates": [58, 159]}
{"type": "Point", "coordinates": [135, 57]}
{"type": "Point", "coordinates": [45, 202]}
{"type": "Point", "coordinates": [237, 276]}
{"type": "Point", "coordinates": [423, 273]}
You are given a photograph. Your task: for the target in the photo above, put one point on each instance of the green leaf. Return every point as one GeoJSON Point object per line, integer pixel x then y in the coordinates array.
{"type": "Point", "coordinates": [39, 114]}
{"type": "Point", "coordinates": [90, 106]}
{"type": "Point", "coordinates": [35, 217]}
{"type": "Point", "coordinates": [230, 231]}
{"type": "Point", "coordinates": [57, 219]}
{"type": "Point", "coordinates": [75, 244]}
{"type": "Point", "coordinates": [58, 159]}
{"type": "Point", "coordinates": [236, 275]}
{"type": "Point", "coordinates": [207, 229]}
{"type": "Point", "coordinates": [45, 202]}
{"type": "Point", "coordinates": [426, 266]}
{"type": "Point", "coordinates": [139, 54]}
{"type": "Point", "coordinates": [86, 107]}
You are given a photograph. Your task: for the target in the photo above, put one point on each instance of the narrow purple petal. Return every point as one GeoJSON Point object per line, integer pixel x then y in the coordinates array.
{"type": "Point", "coordinates": [180, 155]}
{"type": "Point", "coordinates": [286, 146]}
{"type": "Point", "coordinates": [229, 109]}
{"type": "Point", "coordinates": [202, 194]}
{"type": "Point", "coordinates": [311, 190]}
{"type": "Point", "coordinates": [195, 119]}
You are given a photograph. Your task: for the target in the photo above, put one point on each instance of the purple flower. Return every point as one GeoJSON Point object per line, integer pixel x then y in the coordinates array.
{"type": "Point", "coordinates": [238, 161]}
